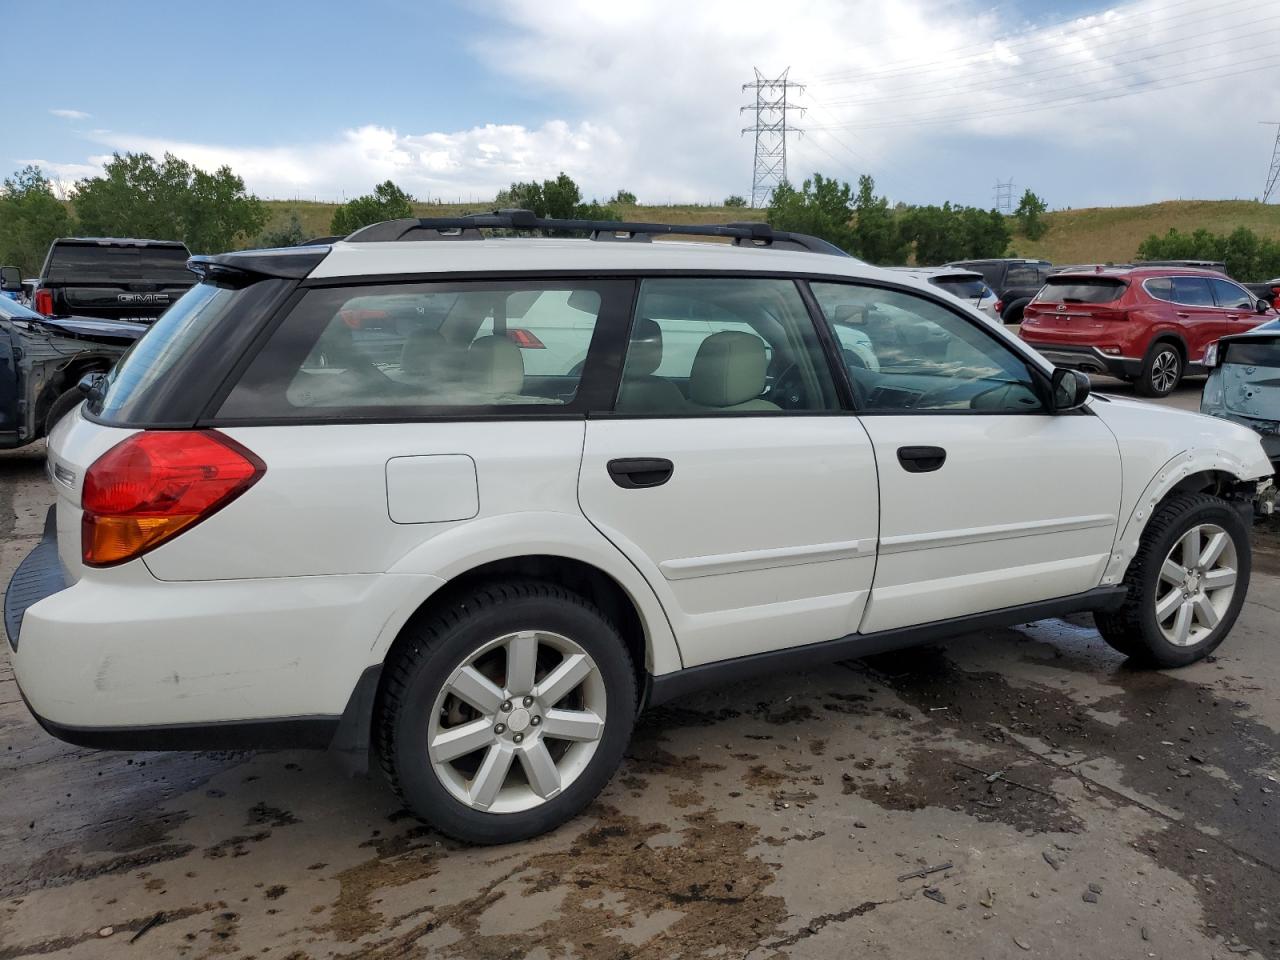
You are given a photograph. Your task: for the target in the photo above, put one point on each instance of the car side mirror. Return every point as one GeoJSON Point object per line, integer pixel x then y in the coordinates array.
{"type": "Point", "coordinates": [1069, 389]}
{"type": "Point", "coordinates": [1262, 306]}
{"type": "Point", "coordinates": [10, 279]}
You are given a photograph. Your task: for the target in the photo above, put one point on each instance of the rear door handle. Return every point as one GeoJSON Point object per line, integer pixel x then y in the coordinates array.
{"type": "Point", "coordinates": [921, 459]}
{"type": "Point", "coordinates": [1183, 315]}
{"type": "Point", "coordinates": [635, 473]}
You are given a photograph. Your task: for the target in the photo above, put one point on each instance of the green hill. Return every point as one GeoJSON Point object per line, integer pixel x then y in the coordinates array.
{"type": "Point", "coordinates": [1090, 235]}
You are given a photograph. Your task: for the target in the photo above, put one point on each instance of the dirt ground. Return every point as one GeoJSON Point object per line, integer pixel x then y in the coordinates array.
{"type": "Point", "coordinates": [850, 811]}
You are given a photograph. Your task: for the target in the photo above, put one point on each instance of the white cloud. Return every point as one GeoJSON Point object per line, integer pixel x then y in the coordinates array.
{"type": "Point", "coordinates": [70, 114]}
{"type": "Point", "coordinates": [648, 97]}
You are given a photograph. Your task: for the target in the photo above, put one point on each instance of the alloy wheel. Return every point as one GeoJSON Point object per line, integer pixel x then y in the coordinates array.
{"type": "Point", "coordinates": [517, 721]}
{"type": "Point", "coordinates": [1164, 371]}
{"type": "Point", "coordinates": [1196, 584]}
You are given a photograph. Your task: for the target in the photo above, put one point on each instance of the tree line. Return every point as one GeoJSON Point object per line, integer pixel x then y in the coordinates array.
{"type": "Point", "coordinates": [1247, 256]}
{"type": "Point", "coordinates": [864, 224]}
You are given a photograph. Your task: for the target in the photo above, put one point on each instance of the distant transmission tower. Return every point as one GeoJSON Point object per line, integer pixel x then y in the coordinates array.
{"type": "Point", "coordinates": [771, 129]}
{"type": "Point", "coordinates": [1004, 195]}
{"type": "Point", "coordinates": [1273, 175]}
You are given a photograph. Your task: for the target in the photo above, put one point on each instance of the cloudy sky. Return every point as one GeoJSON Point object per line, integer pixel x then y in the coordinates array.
{"type": "Point", "coordinates": [1086, 102]}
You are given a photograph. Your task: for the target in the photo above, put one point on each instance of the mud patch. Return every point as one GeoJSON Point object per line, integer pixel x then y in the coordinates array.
{"type": "Point", "coordinates": [1237, 911]}
{"type": "Point", "coordinates": [934, 777]}
{"type": "Point", "coordinates": [261, 815]}
{"type": "Point", "coordinates": [647, 755]}
{"type": "Point", "coordinates": [1175, 742]}
{"type": "Point", "coordinates": [612, 878]}
{"type": "Point", "coordinates": [126, 834]}
{"type": "Point", "coordinates": [57, 868]}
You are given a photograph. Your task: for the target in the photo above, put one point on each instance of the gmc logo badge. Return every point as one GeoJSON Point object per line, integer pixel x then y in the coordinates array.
{"type": "Point", "coordinates": [142, 297]}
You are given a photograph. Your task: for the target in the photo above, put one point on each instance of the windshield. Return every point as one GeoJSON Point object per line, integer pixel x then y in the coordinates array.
{"type": "Point", "coordinates": [1081, 290]}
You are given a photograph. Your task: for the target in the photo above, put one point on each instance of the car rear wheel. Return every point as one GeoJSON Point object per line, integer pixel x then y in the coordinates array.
{"type": "Point", "coordinates": [505, 714]}
{"type": "Point", "coordinates": [1161, 370]}
{"type": "Point", "coordinates": [1186, 583]}
{"type": "Point", "coordinates": [65, 403]}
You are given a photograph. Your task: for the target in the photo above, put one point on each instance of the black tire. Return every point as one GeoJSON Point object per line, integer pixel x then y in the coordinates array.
{"type": "Point", "coordinates": [1012, 314]}
{"type": "Point", "coordinates": [65, 403]}
{"type": "Point", "coordinates": [433, 648]}
{"type": "Point", "coordinates": [1155, 379]}
{"type": "Point", "coordinates": [1133, 629]}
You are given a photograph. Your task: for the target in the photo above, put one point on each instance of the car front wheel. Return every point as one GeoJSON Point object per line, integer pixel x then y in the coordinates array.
{"type": "Point", "coordinates": [506, 713]}
{"type": "Point", "coordinates": [1186, 584]}
{"type": "Point", "coordinates": [1161, 371]}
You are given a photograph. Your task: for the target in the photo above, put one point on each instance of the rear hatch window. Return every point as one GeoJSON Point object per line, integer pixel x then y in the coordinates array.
{"type": "Point", "coordinates": [1081, 290]}
{"type": "Point", "coordinates": [167, 376]}
{"type": "Point", "coordinates": [111, 264]}
{"type": "Point", "coordinates": [1263, 352]}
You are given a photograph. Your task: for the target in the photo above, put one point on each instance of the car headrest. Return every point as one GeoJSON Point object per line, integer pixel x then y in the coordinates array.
{"type": "Point", "coordinates": [849, 313]}
{"type": "Point", "coordinates": [728, 369]}
{"type": "Point", "coordinates": [496, 366]}
{"type": "Point", "coordinates": [420, 350]}
{"type": "Point", "coordinates": [644, 354]}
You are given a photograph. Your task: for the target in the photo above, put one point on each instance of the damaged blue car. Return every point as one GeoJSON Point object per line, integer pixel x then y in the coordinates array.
{"type": "Point", "coordinates": [1244, 383]}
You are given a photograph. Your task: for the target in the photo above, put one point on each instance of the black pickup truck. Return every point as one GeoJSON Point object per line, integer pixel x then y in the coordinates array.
{"type": "Point", "coordinates": [1015, 281]}
{"type": "Point", "coordinates": [42, 360]}
{"type": "Point", "coordinates": [112, 278]}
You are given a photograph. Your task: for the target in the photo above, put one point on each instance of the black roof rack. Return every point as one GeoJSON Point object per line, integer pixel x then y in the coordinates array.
{"type": "Point", "coordinates": [469, 227]}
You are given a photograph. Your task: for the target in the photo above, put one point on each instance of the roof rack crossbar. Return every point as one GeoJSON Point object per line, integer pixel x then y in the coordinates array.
{"type": "Point", "coordinates": [468, 228]}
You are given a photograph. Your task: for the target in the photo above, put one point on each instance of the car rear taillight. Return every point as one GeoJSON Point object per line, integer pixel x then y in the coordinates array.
{"type": "Point", "coordinates": [999, 307]}
{"type": "Point", "coordinates": [524, 339]}
{"type": "Point", "coordinates": [1109, 314]}
{"type": "Point", "coordinates": [44, 302]}
{"type": "Point", "coordinates": [152, 486]}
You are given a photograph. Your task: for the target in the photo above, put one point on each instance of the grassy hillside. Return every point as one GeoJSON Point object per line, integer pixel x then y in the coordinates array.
{"type": "Point", "coordinates": [1096, 234]}
{"type": "Point", "coordinates": [1101, 234]}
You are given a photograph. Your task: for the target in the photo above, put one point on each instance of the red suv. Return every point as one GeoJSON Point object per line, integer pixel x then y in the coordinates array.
{"type": "Point", "coordinates": [1147, 325]}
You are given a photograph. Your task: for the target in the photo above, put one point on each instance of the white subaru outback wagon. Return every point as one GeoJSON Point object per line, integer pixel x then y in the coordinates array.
{"type": "Point", "coordinates": [467, 504]}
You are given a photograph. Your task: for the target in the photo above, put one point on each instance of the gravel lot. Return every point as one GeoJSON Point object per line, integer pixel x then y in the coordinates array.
{"type": "Point", "coordinates": [1136, 817]}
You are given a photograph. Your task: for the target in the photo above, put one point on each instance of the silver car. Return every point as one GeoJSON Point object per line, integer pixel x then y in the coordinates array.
{"type": "Point", "coordinates": [1244, 383]}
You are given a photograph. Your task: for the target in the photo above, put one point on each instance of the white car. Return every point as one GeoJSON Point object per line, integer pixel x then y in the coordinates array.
{"type": "Point", "coordinates": [468, 505]}
{"type": "Point", "coordinates": [966, 285]}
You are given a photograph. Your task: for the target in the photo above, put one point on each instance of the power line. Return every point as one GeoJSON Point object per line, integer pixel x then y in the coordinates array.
{"type": "Point", "coordinates": [1273, 175]}
{"type": "Point", "coordinates": [770, 129]}
{"type": "Point", "coordinates": [1063, 100]}
{"type": "Point", "coordinates": [1062, 71]}
{"type": "Point", "coordinates": [1032, 38]}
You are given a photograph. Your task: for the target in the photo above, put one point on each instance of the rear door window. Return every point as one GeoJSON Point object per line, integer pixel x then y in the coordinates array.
{"type": "Point", "coordinates": [408, 350]}
{"type": "Point", "coordinates": [1081, 290]}
{"type": "Point", "coordinates": [1193, 292]}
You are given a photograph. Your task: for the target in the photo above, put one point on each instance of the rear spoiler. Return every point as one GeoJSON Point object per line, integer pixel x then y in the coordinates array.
{"type": "Point", "coordinates": [249, 266]}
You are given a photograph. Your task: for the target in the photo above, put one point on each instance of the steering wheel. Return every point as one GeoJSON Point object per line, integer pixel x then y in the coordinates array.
{"type": "Point", "coordinates": [787, 389]}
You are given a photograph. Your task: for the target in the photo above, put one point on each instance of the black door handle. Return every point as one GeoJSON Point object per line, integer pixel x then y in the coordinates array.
{"type": "Point", "coordinates": [921, 459]}
{"type": "Point", "coordinates": [637, 472]}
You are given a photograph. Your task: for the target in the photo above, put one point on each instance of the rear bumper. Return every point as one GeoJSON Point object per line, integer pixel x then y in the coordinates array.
{"type": "Point", "coordinates": [125, 661]}
{"type": "Point", "coordinates": [39, 575]}
{"type": "Point", "coordinates": [1087, 359]}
